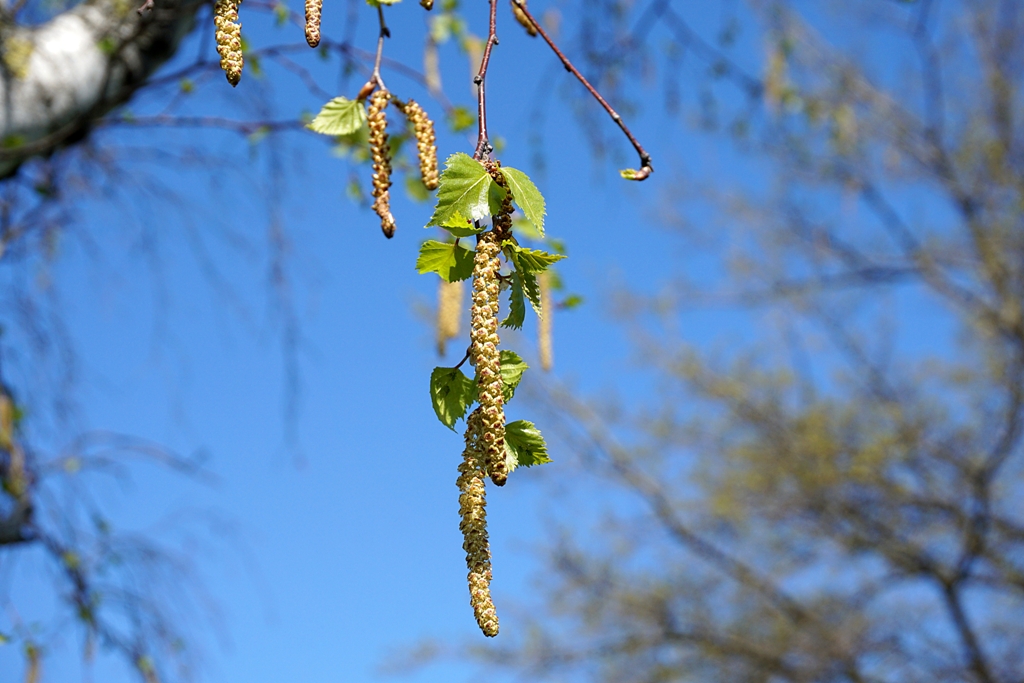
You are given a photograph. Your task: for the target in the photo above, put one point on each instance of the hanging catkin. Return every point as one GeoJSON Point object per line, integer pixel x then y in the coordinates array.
{"type": "Point", "coordinates": [449, 312]}
{"type": "Point", "coordinates": [483, 352]}
{"type": "Point", "coordinates": [426, 148]}
{"type": "Point", "coordinates": [522, 18]}
{"type": "Point", "coordinates": [313, 9]}
{"type": "Point", "coordinates": [229, 38]}
{"type": "Point", "coordinates": [473, 513]}
{"type": "Point", "coordinates": [381, 153]}
{"type": "Point", "coordinates": [544, 323]}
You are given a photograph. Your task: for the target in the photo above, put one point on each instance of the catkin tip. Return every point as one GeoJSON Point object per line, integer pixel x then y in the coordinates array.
{"type": "Point", "coordinates": [228, 36]}
{"type": "Point", "coordinates": [380, 151]}
{"type": "Point", "coordinates": [473, 524]}
{"type": "Point", "coordinates": [313, 10]}
{"type": "Point", "coordinates": [426, 146]}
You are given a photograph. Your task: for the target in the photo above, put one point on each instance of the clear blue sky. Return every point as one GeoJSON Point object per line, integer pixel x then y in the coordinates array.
{"type": "Point", "coordinates": [340, 546]}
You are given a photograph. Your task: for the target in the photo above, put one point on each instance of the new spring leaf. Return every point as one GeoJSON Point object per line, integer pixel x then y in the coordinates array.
{"type": "Point", "coordinates": [451, 393]}
{"type": "Point", "coordinates": [524, 445]}
{"type": "Point", "coordinates": [340, 116]}
{"type": "Point", "coordinates": [465, 194]}
{"type": "Point", "coordinates": [447, 259]}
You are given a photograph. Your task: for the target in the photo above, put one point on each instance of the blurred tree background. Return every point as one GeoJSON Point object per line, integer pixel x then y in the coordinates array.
{"type": "Point", "coordinates": [827, 485]}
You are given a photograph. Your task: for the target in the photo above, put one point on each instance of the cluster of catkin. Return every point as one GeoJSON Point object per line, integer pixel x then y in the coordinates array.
{"type": "Point", "coordinates": [229, 38]}
{"type": "Point", "coordinates": [485, 427]}
{"type": "Point", "coordinates": [380, 151]}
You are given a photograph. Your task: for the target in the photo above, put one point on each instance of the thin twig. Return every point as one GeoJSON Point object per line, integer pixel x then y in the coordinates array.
{"type": "Point", "coordinates": [645, 158]}
{"type": "Point", "coordinates": [384, 33]}
{"type": "Point", "coordinates": [483, 145]}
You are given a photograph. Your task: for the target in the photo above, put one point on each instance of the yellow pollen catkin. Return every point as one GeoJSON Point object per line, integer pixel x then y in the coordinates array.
{"type": "Point", "coordinates": [483, 352]}
{"type": "Point", "coordinates": [426, 147]}
{"type": "Point", "coordinates": [313, 9]}
{"type": "Point", "coordinates": [229, 39]}
{"type": "Point", "coordinates": [380, 151]}
{"type": "Point", "coordinates": [473, 524]}
{"type": "Point", "coordinates": [522, 19]}
{"type": "Point", "coordinates": [449, 313]}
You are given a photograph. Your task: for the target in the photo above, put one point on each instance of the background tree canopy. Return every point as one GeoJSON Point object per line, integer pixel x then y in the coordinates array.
{"type": "Point", "coordinates": [785, 424]}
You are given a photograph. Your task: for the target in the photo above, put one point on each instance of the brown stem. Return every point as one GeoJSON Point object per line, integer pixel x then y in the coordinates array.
{"type": "Point", "coordinates": [384, 33]}
{"type": "Point", "coordinates": [483, 146]}
{"type": "Point", "coordinates": [645, 158]}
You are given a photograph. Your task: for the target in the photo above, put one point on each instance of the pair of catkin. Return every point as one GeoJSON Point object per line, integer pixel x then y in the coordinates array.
{"type": "Point", "coordinates": [380, 152]}
{"type": "Point", "coordinates": [229, 38]}
{"type": "Point", "coordinates": [485, 427]}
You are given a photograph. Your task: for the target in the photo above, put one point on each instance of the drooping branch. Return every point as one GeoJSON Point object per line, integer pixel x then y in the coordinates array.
{"type": "Point", "coordinates": [80, 65]}
{"type": "Point", "coordinates": [483, 145]}
{"type": "Point", "coordinates": [645, 158]}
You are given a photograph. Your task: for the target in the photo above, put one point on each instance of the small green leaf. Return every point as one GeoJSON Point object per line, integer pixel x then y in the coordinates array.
{"type": "Point", "coordinates": [532, 291]}
{"type": "Point", "coordinates": [517, 306]}
{"type": "Point", "coordinates": [464, 191]}
{"type": "Point", "coordinates": [526, 196]}
{"type": "Point", "coordinates": [459, 226]}
{"type": "Point", "coordinates": [460, 118]}
{"type": "Point", "coordinates": [572, 301]}
{"type": "Point", "coordinates": [451, 393]}
{"type": "Point", "coordinates": [512, 369]}
{"type": "Point", "coordinates": [531, 260]}
{"type": "Point", "coordinates": [415, 189]}
{"type": "Point", "coordinates": [340, 116]}
{"type": "Point", "coordinates": [524, 445]}
{"type": "Point", "coordinates": [447, 259]}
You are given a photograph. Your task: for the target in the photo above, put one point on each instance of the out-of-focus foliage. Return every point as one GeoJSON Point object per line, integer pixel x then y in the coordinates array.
{"type": "Point", "coordinates": [836, 494]}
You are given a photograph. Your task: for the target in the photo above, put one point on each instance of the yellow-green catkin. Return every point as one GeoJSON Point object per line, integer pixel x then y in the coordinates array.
{"type": "Point", "coordinates": [544, 323]}
{"type": "Point", "coordinates": [473, 524]}
{"type": "Point", "coordinates": [522, 19]}
{"type": "Point", "coordinates": [229, 38]}
{"type": "Point", "coordinates": [381, 153]}
{"type": "Point", "coordinates": [483, 352]}
{"type": "Point", "coordinates": [313, 9]}
{"type": "Point", "coordinates": [449, 313]}
{"type": "Point", "coordinates": [426, 147]}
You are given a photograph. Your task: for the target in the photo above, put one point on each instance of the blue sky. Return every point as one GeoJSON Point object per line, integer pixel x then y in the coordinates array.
{"type": "Point", "coordinates": [337, 546]}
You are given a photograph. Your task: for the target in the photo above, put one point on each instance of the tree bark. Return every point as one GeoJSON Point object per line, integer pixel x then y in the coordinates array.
{"type": "Point", "coordinates": [58, 78]}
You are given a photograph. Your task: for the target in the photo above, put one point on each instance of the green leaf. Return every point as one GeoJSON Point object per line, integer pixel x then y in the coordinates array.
{"type": "Point", "coordinates": [532, 291]}
{"type": "Point", "coordinates": [517, 305]}
{"type": "Point", "coordinates": [531, 260]}
{"type": "Point", "coordinates": [415, 189]}
{"type": "Point", "coordinates": [460, 118]}
{"type": "Point", "coordinates": [524, 445]}
{"type": "Point", "coordinates": [512, 369]}
{"type": "Point", "coordinates": [451, 393]}
{"type": "Point", "coordinates": [447, 259]}
{"type": "Point", "coordinates": [526, 196]}
{"type": "Point", "coordinates": [460, 226]}
{"type": "Point", "coordinates": [464, 192]}
{"type": "Point", "coordinates": [572, 301]}
{"type": "Point", "coordinates": [340, 116]}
